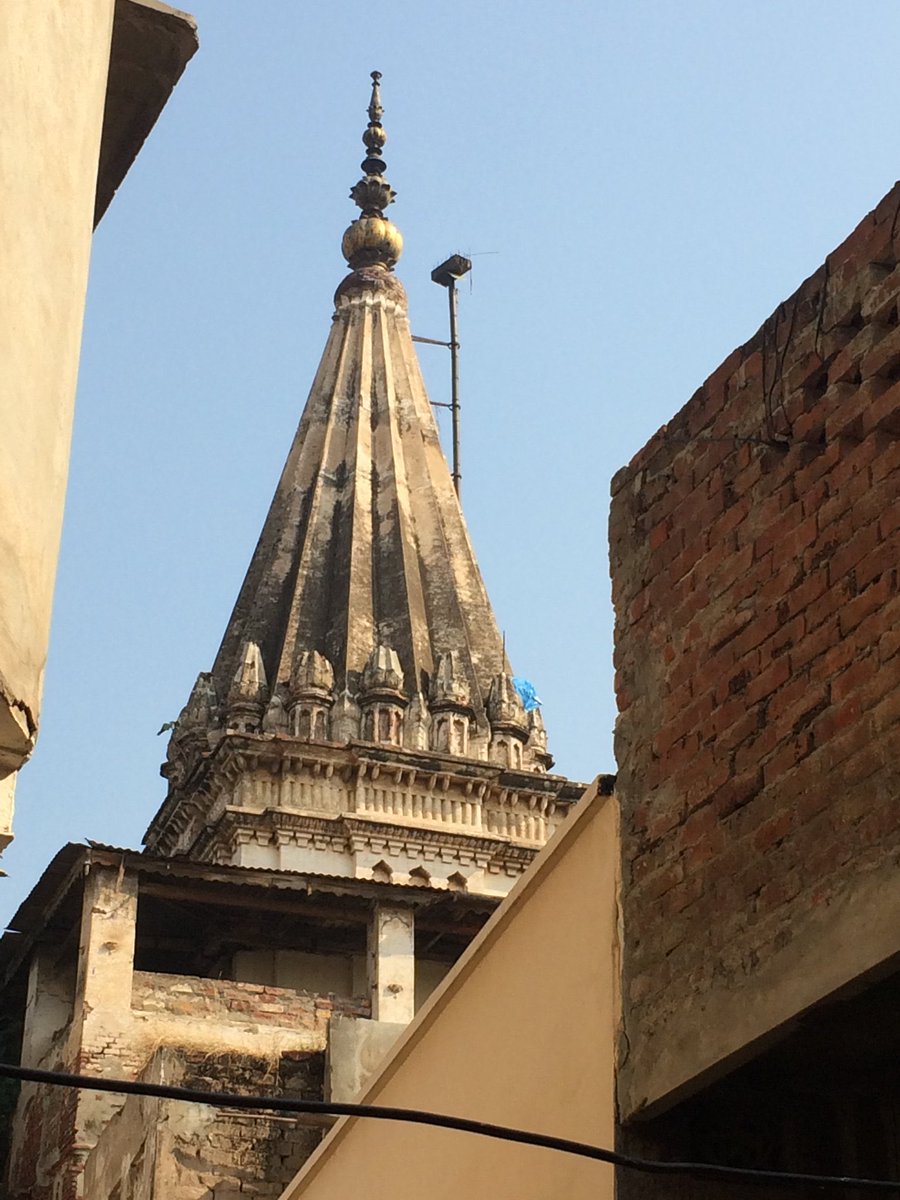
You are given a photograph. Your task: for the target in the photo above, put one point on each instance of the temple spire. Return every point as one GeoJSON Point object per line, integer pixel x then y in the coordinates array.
{"type": "Point", "coordinates": [371, 239]}
{"type": "Point", "coordinates": [363, 615]}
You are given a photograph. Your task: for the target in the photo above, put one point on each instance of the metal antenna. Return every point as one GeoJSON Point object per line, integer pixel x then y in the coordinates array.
{"type": "Point", "coordinates": [454, 268]}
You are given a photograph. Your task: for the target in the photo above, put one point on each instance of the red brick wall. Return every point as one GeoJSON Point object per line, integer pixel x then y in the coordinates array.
{"type": "Point", "coordinates": [755, 550]}
{"type": "Point", "coordinates": [45, 1145]}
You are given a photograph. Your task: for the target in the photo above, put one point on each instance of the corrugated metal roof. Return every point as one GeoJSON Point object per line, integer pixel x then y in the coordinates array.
{"type": "Point", "coordinates": [242, 876]}
{"type": "Point", "coordinates": [71, 863]}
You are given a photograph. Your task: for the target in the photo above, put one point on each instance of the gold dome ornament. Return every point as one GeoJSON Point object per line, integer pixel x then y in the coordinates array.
{"type": "Point", "coordinates": [372, 239]}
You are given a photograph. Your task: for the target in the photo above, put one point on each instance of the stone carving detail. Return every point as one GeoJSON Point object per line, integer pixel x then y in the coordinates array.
{"type": "Point", "coordinates": [194, 732]}
{"type": "Point", "coordinates": [248, 694]}
{"type": "Point", "coordinates": [201, 710]}
{"type": "Point", "coordinates": [382, 672]}
{"type": "Point", "coordinates": [505, 709]}
{"type": "Point", "coordinates": [509, 723]}
{"type": "Point", "coordinates": [449, 686]}
{"type": "Point", "coordinates": [376, 710]}
{"type": "Point", "coordinates": [345, 718]}
{"type": "Point", "coordinates": [312, 695]}
{"type": "Point", "coordinates": [276, 719]}
{"type": "Point", "coordinates": [417, 724]}
{"type": "Point", "coordinates": [536, 749]}
{"type": "Point", "coordinates": [450, 734]}
{"type": "Point", "coordinates": [382, 702]}
{"type": "Point", "coordinates": [450, 707]}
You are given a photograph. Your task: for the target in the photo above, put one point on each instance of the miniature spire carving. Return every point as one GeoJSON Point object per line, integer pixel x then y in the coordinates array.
{"type": "Point", "coordinates": [312, 680]}
{"type": "Point", "coordinates": [372, 240]}
{"type": "Point", "coordinates": [509, 722]}
{"type": "Point", "coordinates": [249, 691]}
{"type": "Point", "coordinates": [382, 698]}
{"type": "Point", "coordinates": [202, 706]}
{"type": "Point", "coordinates": [450, 705]}
{"type": "Point", "coordinates": [195, 730]}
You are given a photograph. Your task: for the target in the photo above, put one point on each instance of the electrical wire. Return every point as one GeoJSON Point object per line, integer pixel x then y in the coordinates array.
{"type": "Point", "coordinates": [442, 1121]}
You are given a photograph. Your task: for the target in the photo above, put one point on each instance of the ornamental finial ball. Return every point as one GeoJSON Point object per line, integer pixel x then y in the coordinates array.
{"type": "Point", "coordinates": [370, 240]}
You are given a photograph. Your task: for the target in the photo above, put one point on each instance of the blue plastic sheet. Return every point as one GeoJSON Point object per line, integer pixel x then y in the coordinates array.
{"type": "Point", "coordinates": [527, 693]}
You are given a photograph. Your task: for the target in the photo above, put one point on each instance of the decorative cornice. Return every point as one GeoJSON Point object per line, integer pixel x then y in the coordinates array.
{"type": "Point", "coordinates": [237, 757]}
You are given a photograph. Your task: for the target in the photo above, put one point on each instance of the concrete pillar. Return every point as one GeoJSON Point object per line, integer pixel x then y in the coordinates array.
{"type": "Point", "coordinates": [103, 989]}
{"type": "Point", "coordinates": [106, 947]}
{"type": "Point", "coordinates": [48, 1008]}
{"type": "Point", "coordinates": [392, 963]}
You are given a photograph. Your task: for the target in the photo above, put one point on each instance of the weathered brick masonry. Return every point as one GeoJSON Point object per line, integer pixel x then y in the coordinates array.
{"type": "Point", "coordinates": [755, 550]}
{"type": "Point", "coordinates": [154, 1148]}
{"type": "Point", "coordinates": [223, 1000]}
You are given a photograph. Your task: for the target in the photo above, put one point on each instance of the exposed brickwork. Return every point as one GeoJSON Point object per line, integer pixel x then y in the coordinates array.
{"type": "Point", "coordinates": [49, 1148]}
{"type": "Point", "coordinates": [46, 1145]}
{"type": "Point", "coordinates": [236, 1153]}
{"type": "Point", "coordinates": [228, 1000]}
{"type": "Point", "coordinates": [183, 1152]}
{"type": "Point", "coordinates": [755, 550]}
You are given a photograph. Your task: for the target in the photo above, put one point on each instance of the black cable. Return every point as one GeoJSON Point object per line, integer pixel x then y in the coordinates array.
{"type": "Point", "coordinates": [417, 1117]}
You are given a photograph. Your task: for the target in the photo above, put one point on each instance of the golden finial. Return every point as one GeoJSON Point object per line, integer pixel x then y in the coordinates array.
{"type": "Point", "coordinates": [376, 112]}
{"type": "Point", "coordinates": [372, 239]}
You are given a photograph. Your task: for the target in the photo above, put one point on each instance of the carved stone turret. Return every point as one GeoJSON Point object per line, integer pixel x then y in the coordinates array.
{"type": "Point", "coordinates": [450, 706]}
{"type": "Point", "coordinates": [382, 701]}
{"type": "Point", "coordinates": [383, 673]}
{"type": "Point", "coordinates": [201, 711]}
{"type": "Point", "coordinates": [312, 695]}
{"type": "Point", "coordinates": [536, 749]}
{"type": "Point", "coordinates": [509, 723]}
{"type": "Point", "coordinates": [248, 694]}
{"type": "Point", "coordinates": [194, 730]}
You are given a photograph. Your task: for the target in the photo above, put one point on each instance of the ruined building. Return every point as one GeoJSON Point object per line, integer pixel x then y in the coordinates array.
{"type": "Point", "coordinates": [352, 788]}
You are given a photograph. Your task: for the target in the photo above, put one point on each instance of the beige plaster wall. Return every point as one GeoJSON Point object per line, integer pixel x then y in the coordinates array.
{"type": "Point", "coordinates": [343, 974]}
{"type": "Point", "coordinates": [55, 58]}
{"type": "Point", "coordinates": [522, 1032]}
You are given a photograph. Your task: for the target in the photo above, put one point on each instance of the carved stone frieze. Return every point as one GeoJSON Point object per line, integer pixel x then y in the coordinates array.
{"type": "Point", "coordinates": [277, 801]}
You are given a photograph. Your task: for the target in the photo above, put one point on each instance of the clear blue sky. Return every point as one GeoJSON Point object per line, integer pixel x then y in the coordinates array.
{"type": "Point", "coordinates": [641, 183]}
